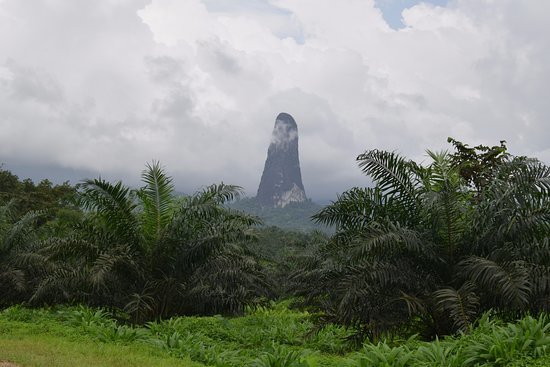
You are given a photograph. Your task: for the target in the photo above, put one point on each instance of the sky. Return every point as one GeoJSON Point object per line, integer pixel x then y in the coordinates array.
{"type": "Point", "coordinates": [91, 88]}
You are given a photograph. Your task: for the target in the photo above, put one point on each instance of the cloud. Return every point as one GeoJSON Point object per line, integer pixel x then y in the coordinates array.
{"type": "Point", "coordinates": [107, 86]}
{"type": "Point", "coordinates": [27, 84]}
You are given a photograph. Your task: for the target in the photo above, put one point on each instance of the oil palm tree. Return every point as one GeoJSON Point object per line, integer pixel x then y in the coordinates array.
{"type": "Point", "coordinates": [153, 253]}
{"type": "Point", "coordinates": [422, 245]}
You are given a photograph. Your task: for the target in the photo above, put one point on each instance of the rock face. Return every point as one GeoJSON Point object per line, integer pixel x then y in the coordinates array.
{"type": "Point", "coordinates": [281, 181]}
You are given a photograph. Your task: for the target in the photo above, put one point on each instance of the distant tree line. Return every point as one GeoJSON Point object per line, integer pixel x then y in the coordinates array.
{"type": "Point", "coordinates": [293, 217]}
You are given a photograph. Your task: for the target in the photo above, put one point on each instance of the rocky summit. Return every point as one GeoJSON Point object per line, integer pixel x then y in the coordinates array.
{"type": "Point", "coordinates": [281, 182]}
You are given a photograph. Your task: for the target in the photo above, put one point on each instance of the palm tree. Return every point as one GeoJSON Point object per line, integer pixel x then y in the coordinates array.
{"type": "Point", "coordinates": [155, 254]}
{"type": "Point", "coordinates": [20, 264]}
{"type": "Point", "coordinates": [424, 245]}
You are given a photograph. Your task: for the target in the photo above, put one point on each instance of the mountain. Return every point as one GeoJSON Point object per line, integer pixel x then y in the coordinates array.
{"type": "Point", "coordinates": [281, 182]}
{"type": "Point", "coordinates": [281, 199]}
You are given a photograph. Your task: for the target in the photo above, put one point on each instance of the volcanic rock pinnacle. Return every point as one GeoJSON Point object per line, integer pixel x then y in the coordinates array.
{"type": "Point", "coordinates": [281, 181]}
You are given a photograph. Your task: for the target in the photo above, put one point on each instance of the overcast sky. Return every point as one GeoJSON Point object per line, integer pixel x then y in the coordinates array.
{"type": "Point", "coordinates": [102, 87]}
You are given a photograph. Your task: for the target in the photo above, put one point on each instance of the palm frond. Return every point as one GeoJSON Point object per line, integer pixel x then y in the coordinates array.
{"type": "Point", "coordinates": [446, 202]}
{"type": "Point", "coordinates": [114, 264]}
{"type": "Point", "coordinates": [460, 305]}
{"type": "Point", "coordinates": [394, 175]}
{"type": "Point", "coordinates": [6, 215]}
{"type": "Point", "coordinates": [71, 247]}
{"type": "Point", "coordinates": [515, 205]}
{"type": "Point", "coordinates": [12, 279]}
{"type": "Point", "coordinates": [20, 231]}
{"type": "Point", "coordinates": [140, 304]}
{"type": "Point", "coordinates": [353, 209]}
{"type": "Point", "coordinates": [112, 203]}
{"type": "Point", "coordinates": [391, 240]}
{"type": "Point", "coordinates": [416, 306]}
{"type": "Point", "coordinates": [218, 194]}
{"type": "Point", "coordinates": [227, 282]}
{"type": "Point", "coordinates": [157, 200]}
{"type": "Point", "coordinates": [507, 283]}
{"type": "Point", "coordinates": [61, 285]}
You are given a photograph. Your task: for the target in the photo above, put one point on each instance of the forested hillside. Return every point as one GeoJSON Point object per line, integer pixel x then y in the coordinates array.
{"type": "Point", "coordinates": [294, 216]}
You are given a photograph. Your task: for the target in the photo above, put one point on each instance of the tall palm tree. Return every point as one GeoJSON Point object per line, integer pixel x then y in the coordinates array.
{"type": "Point", "coordinates": [153, 253]}
{"type": "Point", "coordinates": [422, 244]}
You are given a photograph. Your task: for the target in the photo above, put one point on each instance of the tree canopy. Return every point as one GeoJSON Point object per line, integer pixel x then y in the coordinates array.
{"type": "Point", "coordinates": [435, 245]}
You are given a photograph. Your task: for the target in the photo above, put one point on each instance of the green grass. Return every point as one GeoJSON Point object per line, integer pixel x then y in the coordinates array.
{"type": "Point", "coordinates": [46, 351]}
{"type": "Point", "coordinates": [91, 337]}
{"type": "Point", "coordinates": [265, 337]}
{"type": "Point", "coordinates": [45, 343]}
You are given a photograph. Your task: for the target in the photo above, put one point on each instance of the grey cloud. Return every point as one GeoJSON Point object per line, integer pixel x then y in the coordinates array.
{"type": "Point", "coordinates": [177, 105]}
{"type": "Point", "coordinates": [216, 56]}
{"type": "Point", "coordinates": [103, 87]}
{"type": "Point", "coordinates": [165, 69]}
{"type": "Point", "coordinates": [26, 83]}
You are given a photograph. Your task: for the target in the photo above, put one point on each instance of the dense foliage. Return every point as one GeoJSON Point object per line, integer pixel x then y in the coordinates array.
{"type": "Point", "coordinates": [145, 251]}
{"type": "Point", "coordinates": [280, 251]}
{"type": "Point", "coordinates": [430, 248]}
{"type": "Point", "coordinates": [263, 337]}
{"type": "Point", "coordinates": [293, 217]}
{"type": "Point", "coordinates": [26, 196]}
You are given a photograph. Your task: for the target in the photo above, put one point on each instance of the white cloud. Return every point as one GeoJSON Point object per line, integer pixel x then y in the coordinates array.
{"type": "Point", "coordinates": [106, 86]}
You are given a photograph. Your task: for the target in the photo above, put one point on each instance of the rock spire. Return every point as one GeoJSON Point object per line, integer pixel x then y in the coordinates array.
{"type": "Point", "coordinates": [281, 181]}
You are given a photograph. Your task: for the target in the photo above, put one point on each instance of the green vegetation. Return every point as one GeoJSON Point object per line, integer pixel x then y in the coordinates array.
{"type": "Point", "coordinates": [55, 202]}
{"type": "Point", "coordinates": [279, 252]}
{"type": "Point", "coordinates": [263, 334]}
{"type": "Point", "coordinates": [293, 217]}
{"type": "Point", "coordinates": [144, 251]}
{"type": "Point", "coordinates": [430, 248]}
{"type": "Point", "coordinates": [265, 337]}
{"type": "Point", "coordinates": [37, 338]}
{"type": "Point", "coordinates": [432, 266]}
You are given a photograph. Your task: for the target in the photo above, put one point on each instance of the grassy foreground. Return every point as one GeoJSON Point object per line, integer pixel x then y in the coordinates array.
{"type": "Point", "coordinates": [46, 344]}
{"type": "Point", "coordinates": [46, 351]}
{"type": "Point", "coordinates": [276, 337]}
